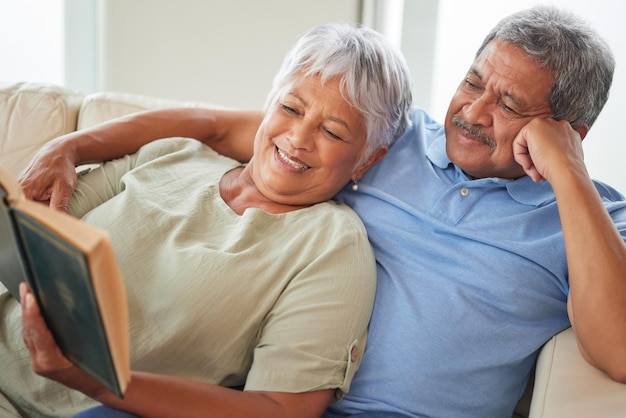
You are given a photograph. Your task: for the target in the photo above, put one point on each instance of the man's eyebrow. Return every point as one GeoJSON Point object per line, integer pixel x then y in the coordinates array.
{"type": "Point", "coordinates": [473, 71]}
{"type": "Point", "coordinates": [518, 101]}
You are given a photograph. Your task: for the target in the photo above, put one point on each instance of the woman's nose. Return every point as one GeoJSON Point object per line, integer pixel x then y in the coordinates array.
{"type": "Point", "coordinates": [301, 137]}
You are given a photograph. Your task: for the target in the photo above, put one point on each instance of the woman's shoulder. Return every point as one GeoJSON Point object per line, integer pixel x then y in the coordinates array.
{"type": "Point", "coordinates": [337, 214]}
{"type": "Point", "coordinates": [178, 150]}
{"type": "Point", "coordinates": [166, 146]}
{"type": "Point", "coordinates": [333, 223]}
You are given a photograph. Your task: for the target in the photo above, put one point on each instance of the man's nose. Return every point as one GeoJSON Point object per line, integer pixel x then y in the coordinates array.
{"type": "Point", "coordinates": [478, 111]}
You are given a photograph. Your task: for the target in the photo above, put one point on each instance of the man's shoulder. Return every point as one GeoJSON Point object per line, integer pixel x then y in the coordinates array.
{"type": "Point", "coordinates": [614, 202]}
{"type": "Point", "coordinates": [422, 128]}
{"type": "Point", "coordinates": [608, 192]}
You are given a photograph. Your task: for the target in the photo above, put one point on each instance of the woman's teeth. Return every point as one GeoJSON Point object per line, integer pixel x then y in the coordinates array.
{"type": "Point", "coordinates": [291, 162]}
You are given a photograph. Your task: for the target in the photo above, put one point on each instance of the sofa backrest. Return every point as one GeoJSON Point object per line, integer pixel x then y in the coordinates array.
{"type": "Point", "coordinates": [103, 106]}
{"type": "Point", "coordinates": [30, 115]}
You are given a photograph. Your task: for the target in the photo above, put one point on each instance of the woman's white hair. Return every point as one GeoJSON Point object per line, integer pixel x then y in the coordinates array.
{"type": "Point", "coordinates": [374, 77]}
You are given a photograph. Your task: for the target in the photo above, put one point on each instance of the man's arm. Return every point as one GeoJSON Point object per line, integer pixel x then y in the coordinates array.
{"type": "Point", "coordinates": [51, 177]}
{"type": "Point", "coordinates": [595, 250]}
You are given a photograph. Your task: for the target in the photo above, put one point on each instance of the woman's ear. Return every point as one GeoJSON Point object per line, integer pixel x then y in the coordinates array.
{"type": "Point", "coordinates": [373, 159]}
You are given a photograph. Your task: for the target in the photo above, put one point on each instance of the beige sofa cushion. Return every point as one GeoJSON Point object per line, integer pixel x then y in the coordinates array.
{"type": "Point", "coordinates": [30, 115]}
{"type": "Point", "coordinates": [104, 106]}
{"type": "Point", "coordinates": [567, 386]}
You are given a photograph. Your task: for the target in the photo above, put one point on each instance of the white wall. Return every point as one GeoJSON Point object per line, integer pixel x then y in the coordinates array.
{"type": "Point", "coordinates": [225, 52]}
{"type": "Point", "coordinates": [461, 28]}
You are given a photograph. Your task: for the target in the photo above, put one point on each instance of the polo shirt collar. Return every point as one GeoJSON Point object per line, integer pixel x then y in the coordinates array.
{"type": "Point", "coordinates": [523, 190]}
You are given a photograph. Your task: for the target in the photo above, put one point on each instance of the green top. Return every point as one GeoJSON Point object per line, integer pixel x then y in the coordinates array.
{"type": "Point", "coordinates": [275, 302]}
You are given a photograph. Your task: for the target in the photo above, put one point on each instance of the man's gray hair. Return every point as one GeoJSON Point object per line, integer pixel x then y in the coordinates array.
{"type": "Point", "coordinates": [374, 77]}
{"type": "Point", "coordinates": [579, 60]}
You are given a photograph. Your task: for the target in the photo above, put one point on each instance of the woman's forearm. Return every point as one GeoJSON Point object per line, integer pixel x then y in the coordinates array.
{"type": "Point", "coordinates": [125, 135]}
{"type": "Point", "coordinates": [159, 395]}
{"type": "Point", "coordinates": [50, 177]}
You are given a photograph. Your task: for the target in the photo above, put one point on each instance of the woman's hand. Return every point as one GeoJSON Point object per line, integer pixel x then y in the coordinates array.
{"type": "Point", "coordinates": [50, 177]}
{"type": "Point", "coordinates": [47, 359]}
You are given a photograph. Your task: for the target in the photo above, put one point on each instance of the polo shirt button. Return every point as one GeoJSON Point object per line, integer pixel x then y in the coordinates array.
{"type": "Point", "coordinates": [464, 191]}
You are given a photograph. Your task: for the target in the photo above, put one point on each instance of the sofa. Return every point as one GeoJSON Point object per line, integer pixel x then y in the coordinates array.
{"type": "Point", "coordinates": [565, 385]}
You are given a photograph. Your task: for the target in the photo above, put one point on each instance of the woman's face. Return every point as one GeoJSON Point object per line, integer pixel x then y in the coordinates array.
{"type": "Point", "coordinates": [308, 144]}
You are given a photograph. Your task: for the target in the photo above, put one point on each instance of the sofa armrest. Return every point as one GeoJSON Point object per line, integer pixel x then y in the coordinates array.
{"type": "Point", "coordinates": [567, 386]}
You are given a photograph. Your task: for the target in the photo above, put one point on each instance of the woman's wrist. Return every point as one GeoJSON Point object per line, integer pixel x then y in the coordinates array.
{"type": "Point", "coordinates": [65, 147]}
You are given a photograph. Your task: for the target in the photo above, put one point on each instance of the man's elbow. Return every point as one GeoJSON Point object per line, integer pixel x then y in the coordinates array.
{"type": "Point", "coordinates": [613, 363]}
{"type": "Point", "coordinates": [615, 368]}
{"type": "Point", "coordinates": [617, 373]}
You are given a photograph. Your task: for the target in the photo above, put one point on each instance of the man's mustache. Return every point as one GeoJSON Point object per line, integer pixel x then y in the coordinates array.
{"type": "Point", "coordinates": [473, 131]}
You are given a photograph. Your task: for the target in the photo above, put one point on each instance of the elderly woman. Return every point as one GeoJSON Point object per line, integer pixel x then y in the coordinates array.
{"type": "Point", "coordinates": [237, 275]}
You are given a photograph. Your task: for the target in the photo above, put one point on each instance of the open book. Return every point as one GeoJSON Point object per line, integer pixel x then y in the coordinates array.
{"type": "Point", "coordinates": [71, 269]}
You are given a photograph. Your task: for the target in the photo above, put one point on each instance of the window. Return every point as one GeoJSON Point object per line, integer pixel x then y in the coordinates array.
{"type": "Point", "coordinates": [32, 41]}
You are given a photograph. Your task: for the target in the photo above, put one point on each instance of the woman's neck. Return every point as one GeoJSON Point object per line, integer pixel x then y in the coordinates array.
{"type": "Point", "coordinates": [239, 192]}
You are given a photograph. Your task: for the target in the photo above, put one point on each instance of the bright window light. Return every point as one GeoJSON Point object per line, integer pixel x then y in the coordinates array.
{"type": "Point", "coordinates": [32, 41]}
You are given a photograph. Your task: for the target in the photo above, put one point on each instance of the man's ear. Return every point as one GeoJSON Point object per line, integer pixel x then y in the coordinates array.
{"type": "Point", "coordinates": [582, 130]}
{"type": "Point", "coordinates": [373, 159]}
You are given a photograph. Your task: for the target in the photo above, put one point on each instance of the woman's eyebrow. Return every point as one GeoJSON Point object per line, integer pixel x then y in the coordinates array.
{"type": "Point", "coordinates": [341, 122]}
{"type": "Point", "coordinates": [295, 95]}
{"type": "Point", "coordinates": [331, 118]}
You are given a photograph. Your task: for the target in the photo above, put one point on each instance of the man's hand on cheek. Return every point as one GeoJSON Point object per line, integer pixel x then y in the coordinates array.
{"type": "Point", "coordinates": [545, 147]}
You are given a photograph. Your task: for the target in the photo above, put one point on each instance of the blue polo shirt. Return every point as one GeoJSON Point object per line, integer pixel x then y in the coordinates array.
{"type": "Point", "coordinates": [472, 281]}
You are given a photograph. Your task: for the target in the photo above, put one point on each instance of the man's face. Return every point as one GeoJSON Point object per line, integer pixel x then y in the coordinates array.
{"type": "Point", "coordinates": [503, 91]}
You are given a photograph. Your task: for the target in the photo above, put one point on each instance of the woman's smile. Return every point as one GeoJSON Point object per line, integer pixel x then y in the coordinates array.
{"type": "Point", "coordinates": [291, 161]}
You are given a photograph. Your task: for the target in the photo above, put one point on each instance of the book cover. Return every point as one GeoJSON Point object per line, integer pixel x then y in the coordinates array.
{"type": "Point", "coordinates": [71, 269]}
